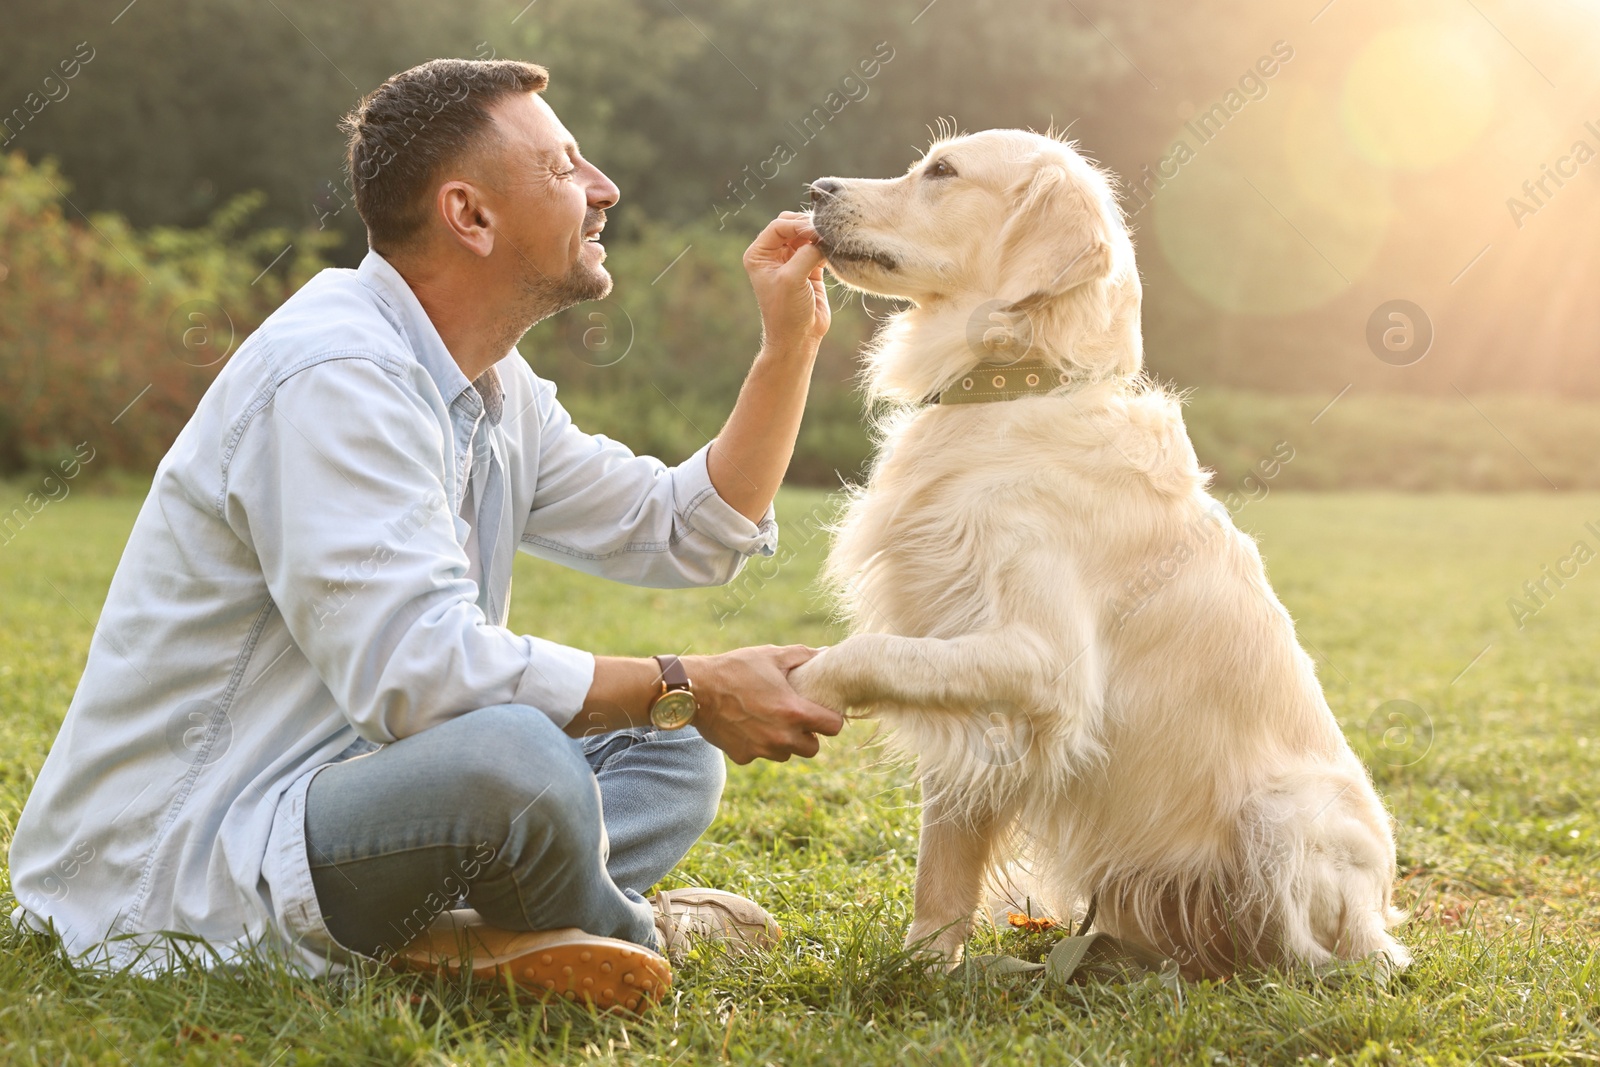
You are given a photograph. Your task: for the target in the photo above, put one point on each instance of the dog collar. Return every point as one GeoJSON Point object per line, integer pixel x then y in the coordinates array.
{"type": "Point", "coordinates": [988, 383]}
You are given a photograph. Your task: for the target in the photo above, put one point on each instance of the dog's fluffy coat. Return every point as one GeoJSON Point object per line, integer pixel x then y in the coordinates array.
{"type": "Point", "coordinates": [1051, 614]}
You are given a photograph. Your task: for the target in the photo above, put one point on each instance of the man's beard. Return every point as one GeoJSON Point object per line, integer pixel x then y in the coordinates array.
{"type": "Point", "coordinates": [541, 295]}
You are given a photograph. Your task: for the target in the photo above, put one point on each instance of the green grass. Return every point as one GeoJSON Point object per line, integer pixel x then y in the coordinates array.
{"type": "Point", "coordinates": [1365, 440]}
{"type": "Point", "coordinates": [1494, 777]}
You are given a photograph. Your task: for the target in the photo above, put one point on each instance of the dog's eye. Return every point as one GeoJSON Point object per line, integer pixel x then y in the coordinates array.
{"type": "Point", "coordinates": [941, 169]}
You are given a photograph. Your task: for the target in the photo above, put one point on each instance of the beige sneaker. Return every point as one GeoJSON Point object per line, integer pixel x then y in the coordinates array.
{"type": "Point", "coordinates": [603, 971]}
{"type": "Point", "coordinates": [684, 916]}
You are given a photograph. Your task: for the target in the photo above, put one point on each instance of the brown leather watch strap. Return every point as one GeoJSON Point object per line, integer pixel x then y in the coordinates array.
{"type": "Point", "coordinates": [673, 676]}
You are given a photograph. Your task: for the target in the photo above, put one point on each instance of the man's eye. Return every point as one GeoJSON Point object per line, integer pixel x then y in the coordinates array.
{"type": "Point", "coordinates": [941, 169]}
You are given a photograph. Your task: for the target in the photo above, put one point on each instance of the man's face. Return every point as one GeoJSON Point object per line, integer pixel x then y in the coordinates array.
{"type": "Point", "coordinates": [549, 205]}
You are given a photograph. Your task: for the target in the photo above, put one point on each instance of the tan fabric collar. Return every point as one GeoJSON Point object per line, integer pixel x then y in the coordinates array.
{"type": "Point", "coordinates": [989, 382]}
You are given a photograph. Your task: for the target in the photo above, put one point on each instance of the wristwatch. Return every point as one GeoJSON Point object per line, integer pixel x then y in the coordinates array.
{"type": "Point", "coordinates": [674, 707]}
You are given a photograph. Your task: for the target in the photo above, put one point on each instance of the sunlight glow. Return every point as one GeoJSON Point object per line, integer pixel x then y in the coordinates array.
{"type": "Point", "coordinates": [1417, 96]}
{"type": "Point", "coordinates": [1284, 219]}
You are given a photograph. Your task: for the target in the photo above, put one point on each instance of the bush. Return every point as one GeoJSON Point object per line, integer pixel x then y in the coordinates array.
{"type": "Point", "coordinates": [1390, 441]}
{"type": "Point", "coordinates": [109, 335]}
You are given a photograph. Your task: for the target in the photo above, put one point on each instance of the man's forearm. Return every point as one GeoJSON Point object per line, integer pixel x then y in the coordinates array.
{"type": "Point", "coordinates": [619, 697]}
{"type": "Point", "coordinates": [748, 460]}
{"type": "Point", "coordinates": [749, 457]}
{"type": "Point", "coordinates": [746, 706]}
{"type": "Point", "coordinates": [623, 689]}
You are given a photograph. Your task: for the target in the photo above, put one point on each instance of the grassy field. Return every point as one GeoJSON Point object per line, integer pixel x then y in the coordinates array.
{"type": "Point", "coordinates": [1484, 737]}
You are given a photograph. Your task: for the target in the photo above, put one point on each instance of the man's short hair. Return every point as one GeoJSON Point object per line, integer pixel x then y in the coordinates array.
{"type": "Point", "coordinates": [411, 126]}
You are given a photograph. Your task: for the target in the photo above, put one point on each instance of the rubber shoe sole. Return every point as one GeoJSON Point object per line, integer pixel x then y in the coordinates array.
{"type": "Point", "coordinates": [606, 972]}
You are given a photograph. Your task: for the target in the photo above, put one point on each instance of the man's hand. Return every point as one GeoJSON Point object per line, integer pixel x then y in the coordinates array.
{"type": "Point", "coordinates": [749, 457]}
{"type": "Point", "coordinates": [785, 268]}
{"type": "Point", "coordinates": [749, 710]}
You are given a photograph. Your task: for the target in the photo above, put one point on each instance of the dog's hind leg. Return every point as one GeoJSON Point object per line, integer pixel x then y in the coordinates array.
{"type": "Point", "coordinates": [1323, 844]}
{"type": "Point", "coordinates": [954, 856]}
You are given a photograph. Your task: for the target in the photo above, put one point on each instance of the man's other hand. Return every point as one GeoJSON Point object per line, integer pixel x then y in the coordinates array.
{"type": "Point", "coordinates": [785, 268]}
{"type": "Point", "coordinates": [750, 711]}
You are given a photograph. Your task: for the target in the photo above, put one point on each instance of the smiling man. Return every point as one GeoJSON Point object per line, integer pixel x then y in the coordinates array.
{"type": "Point", "coordinates": [303, 721]}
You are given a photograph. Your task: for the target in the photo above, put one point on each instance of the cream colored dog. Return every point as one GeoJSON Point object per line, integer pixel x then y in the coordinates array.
{"type": "Point", "coordinates": [1052, 615]}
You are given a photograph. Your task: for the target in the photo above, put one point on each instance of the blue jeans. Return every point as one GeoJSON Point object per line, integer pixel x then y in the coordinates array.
{"type": "Point", "coordinates": [500, 811]}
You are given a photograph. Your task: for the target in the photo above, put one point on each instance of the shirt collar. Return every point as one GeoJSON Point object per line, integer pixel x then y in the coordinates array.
{"type": "Point", "coordinates": [379, 275]}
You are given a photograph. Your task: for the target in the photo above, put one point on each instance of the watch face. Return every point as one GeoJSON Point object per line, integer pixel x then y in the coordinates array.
{"type": "Point", "coordinates": [672, 711]}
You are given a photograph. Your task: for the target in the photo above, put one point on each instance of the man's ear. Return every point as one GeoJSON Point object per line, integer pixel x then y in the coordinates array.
{"type": "Point", "coordinates": [1052, 243]}
{"type": "Point", "coordinates": [467, 219]}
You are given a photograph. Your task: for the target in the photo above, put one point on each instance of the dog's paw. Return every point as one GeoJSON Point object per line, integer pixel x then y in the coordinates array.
{"type": "Point", "coordinates": [815, 680]}
{"type": "Point", "coordinates": [938, 953]}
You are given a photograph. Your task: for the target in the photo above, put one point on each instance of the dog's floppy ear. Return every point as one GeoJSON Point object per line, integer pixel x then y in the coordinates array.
{"type": "Point", "coordinates": [1053, 242]}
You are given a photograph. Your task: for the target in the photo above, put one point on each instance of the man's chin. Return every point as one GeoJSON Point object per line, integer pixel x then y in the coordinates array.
{"type": "Point", "coordinates": [585, 281]}
{"type": "Point", "coordinates": [598, 281]}
{"type": "Point", "coordinates": [580, 285]}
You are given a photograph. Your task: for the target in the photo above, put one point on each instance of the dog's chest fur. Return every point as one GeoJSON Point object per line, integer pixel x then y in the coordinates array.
{"type": "Point", "coordinates": [1036, 512]}
{"type": "Point", "coordinates": [906, 554]}
{"type": "Point", "coordinates": [958, 497]}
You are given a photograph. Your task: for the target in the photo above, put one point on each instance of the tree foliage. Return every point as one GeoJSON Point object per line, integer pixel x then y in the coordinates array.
{"type": "Point", "coordinates": [109, 335]}
{"type": "Point", "coordinates": [1263, 258]}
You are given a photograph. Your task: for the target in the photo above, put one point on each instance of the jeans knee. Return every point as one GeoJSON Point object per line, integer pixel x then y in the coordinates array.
{"type": "Point", "coordinates": [708, 775]}
{"type": "Point", "coordinates": [562, 821]}
{"type": "Point", "coordinates": [533, 779]}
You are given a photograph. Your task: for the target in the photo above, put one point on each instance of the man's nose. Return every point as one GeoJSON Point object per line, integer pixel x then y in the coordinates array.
{"type": "Point", "coordinates": [825, 187]}
{"type": "Point", "coordinates": [603, 194]}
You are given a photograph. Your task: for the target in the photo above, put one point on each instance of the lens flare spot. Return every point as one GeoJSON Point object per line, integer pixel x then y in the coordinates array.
{"type": "Point", "coordinates": [1280, 218]}
{"type": "Point", "coordinates": [1417, 96]}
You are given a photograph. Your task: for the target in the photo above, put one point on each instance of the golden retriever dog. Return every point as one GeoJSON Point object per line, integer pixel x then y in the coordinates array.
{"type": "Point", "coordinates": [1051, 614]}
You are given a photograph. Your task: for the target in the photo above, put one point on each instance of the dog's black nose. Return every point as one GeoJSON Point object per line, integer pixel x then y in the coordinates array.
{"type": "Point", "coordinates": [824, 187]}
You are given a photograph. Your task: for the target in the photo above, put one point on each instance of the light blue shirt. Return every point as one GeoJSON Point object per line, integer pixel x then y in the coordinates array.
{"type": "Point", "coordinates": [323, 565]}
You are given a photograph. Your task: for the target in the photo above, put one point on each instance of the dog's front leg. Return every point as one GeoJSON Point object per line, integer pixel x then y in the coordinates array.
{"type": "Point", "coordinates": [1016, 664]}
{"type": "Point", "coordinates": [954, 854]}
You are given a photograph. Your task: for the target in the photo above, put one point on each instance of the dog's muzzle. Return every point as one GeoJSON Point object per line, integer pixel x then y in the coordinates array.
{"type": "Point", "coordinates": [824, 189]}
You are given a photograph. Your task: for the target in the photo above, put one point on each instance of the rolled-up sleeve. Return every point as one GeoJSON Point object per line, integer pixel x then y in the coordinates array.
{"type": "Point", "coordinates": [335, 485]}
{"type": "Point", "coordinates": [600, 509]}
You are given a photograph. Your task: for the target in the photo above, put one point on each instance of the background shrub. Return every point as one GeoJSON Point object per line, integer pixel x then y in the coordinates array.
{"type": "Point", "coordinates": [109, 334]}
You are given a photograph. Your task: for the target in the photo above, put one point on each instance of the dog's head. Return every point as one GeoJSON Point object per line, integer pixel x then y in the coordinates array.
{"type": "Point", "coordinates": [1008, 231]}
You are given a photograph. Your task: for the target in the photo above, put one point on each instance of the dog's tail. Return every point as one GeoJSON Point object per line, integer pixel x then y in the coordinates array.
{"type": "Point", "coordinates": [1305, 879]}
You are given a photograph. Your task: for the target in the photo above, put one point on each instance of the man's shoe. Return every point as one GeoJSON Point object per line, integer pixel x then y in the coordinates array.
{"type": "Point", "coordinates": [603, 971]}
{"type": "Point", "coordinates": [684, 916]}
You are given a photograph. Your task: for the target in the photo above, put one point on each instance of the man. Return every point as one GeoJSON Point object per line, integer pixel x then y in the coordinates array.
{"type": "Point", "coordinates": [303, 722]}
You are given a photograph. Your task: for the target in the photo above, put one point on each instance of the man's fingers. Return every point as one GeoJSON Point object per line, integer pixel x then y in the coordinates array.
{"type": "Point", "coordinates": [783, 233]}
{"type": "Point", "coordinates": [793, 226]}
{"type": "Point", "coordinates": [806, 261]}
{"type": "Point", "coordinates": [816, 719]}
{"type": "Point", "coordinates": [791, 656]}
